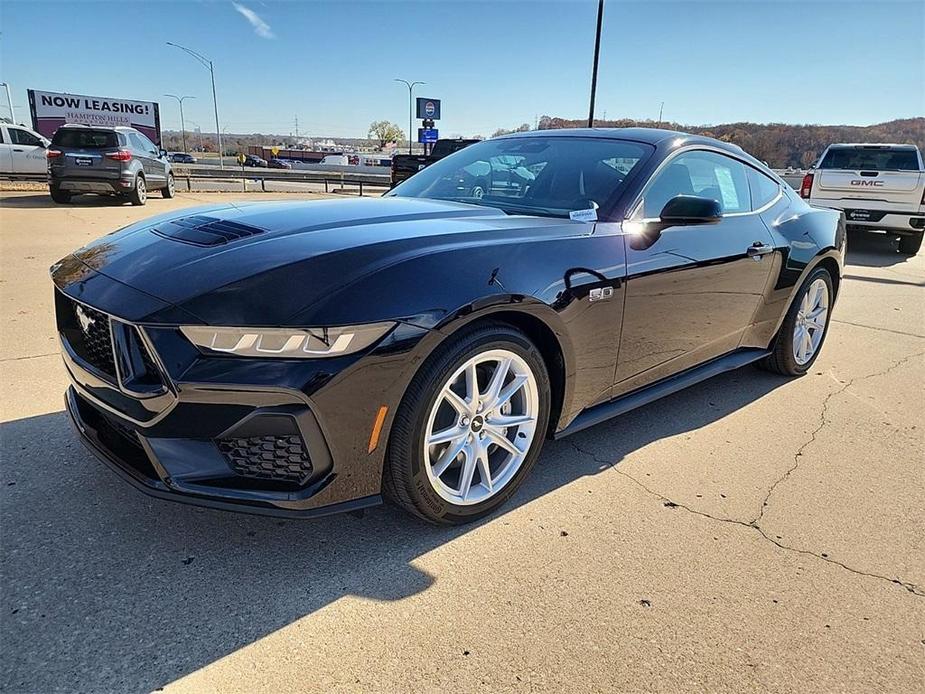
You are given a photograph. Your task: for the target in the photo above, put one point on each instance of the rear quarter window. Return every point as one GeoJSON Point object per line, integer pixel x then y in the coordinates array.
{"type": "Point", "coordinates": [764, 189]}
{"type": "Point", "coordinates": [86, 139]}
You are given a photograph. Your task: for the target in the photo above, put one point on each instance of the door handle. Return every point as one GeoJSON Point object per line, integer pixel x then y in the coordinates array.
{"type": "Point", "coordinates": [17, 150]}
{"type": "Point", "coordinates": [758, 249]}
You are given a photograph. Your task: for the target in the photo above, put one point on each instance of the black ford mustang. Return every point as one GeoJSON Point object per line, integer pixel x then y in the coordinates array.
{"type": "Point", "coordinates": [309, 357]}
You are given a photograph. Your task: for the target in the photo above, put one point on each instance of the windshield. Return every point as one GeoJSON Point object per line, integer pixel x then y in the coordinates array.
{"type": "Point", "coordinates": [870, 159]}
{"type": "Point", "coordinates": [547, 176]}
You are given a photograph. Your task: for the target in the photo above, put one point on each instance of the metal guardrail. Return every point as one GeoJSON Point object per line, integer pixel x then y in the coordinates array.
{"type": "Point", "coordinates": [328, 179]}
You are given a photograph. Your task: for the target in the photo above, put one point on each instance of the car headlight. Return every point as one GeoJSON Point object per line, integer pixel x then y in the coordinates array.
{"type": "Point", "coordinates": [286, 343]}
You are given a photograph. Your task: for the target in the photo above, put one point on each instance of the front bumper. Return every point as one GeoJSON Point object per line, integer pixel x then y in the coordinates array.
{"type": "Point", "coordinates": [269, 436]}
{"type": "Point", "coordinates": [139, 466]}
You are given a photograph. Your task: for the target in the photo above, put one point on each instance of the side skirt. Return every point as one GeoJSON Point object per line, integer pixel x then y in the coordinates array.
{"type": "Point", "coordinates": [667, 386]}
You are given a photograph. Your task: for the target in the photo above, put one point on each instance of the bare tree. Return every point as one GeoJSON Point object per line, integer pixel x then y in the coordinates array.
{"type": "Point", "coordinates": [384, 131]}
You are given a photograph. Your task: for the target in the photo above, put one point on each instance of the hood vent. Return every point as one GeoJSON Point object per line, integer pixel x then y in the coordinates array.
{"type": "Point", "coordinates": [200, 230]}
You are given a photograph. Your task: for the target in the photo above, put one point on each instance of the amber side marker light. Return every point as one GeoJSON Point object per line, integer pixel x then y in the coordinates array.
{"type": "Point", "coordinates": [377, 428]}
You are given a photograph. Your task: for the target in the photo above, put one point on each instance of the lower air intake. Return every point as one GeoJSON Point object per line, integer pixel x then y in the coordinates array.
{"type": "Point", "coordinates": [276, 458]}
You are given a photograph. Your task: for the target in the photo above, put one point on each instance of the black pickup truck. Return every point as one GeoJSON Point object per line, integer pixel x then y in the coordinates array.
{"type": "Point", "coordinates": [406, 165]}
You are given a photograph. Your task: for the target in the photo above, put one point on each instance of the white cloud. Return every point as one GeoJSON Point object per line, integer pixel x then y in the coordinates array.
{"type": "Point", "coordinates": [261, 28]}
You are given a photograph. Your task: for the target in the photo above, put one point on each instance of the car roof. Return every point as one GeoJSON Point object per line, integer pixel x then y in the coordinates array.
{"type": "Point", "coordinates": [117, 128]}
{"type": "Point", "coordinates": [875, 145]}
{"type": "Point", "coordinates": [652, 136]}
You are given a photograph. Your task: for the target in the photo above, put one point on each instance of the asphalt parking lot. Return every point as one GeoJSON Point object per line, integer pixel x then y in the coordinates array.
{"type": "Point", "coordinates": [750, 534]}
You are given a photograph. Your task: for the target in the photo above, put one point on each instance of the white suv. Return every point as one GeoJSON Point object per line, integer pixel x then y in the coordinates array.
{"type": "Point", "coordinates": [22, 151]}
{"type": "Point", "coordinates": [877, 186]}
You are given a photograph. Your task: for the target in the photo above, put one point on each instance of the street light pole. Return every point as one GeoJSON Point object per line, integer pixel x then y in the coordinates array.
{"type": "Point", "coordinates": [597, 53]}
{"type": "Point", "coordinates": [182, 124]}
{"type": "Point", "coordinates": [9, 100]}
{"type": "Point", "coordinates": [411, 86]}
{"type": "Point", "coordinates": [208, 64]}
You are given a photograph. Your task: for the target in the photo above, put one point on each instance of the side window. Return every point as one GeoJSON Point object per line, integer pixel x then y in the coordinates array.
{"type": "Point", "coordinates": [764, 189]}
{"type": "Point", "coordinates": [706, 174]}
{"type": "Point", "coordinates": [147, 144]}
{"type": "Point", "coordinates": [138, 143]}
{"type": "Point", "coordinates": [2, 141]}
{"type": "Point", "coordinates": [22, 137]}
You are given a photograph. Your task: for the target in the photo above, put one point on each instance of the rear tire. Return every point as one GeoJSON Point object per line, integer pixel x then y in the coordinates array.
{"type": "Point", "coordinates": [428, 480]}
{"type": "Point", "coordinates": [798, 343]}
{"type": "Point", "coordinates": [910, 245]}
{"type": "Point", "coordinates": [139, 194]}
{"type": "Point", "coordinates": [170, 189]}
{"type": "Point", "coordinates": [62, 197]}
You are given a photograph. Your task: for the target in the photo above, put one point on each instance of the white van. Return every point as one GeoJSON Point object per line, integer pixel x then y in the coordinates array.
{"type": "Point", "coordinates": [22, 151]}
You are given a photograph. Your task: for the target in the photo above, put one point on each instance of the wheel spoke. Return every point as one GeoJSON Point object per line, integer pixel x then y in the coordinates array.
{"type": "Point", "coordinates": [456, 402]}
{"type": "Point", "coordinates": [484, 468]}
{"type": "Point", "coordinates": [472, 388]}
{"type": "Point", "coordinates": [509, 390]}
{"type": "Point", "coordinates": [815, 324]}
{"type": "Point", "coordinates": [445, 435]}
{"type": "Point", "coordinates": [497, 381]}
{"type": "Point", "coordinates": [807, 345]}
{"type": "Point", "coordinates": [503, 441]}
{"type": "Point", "coordinates": [468, 470]}
{"type": "Point", "coordinates": [508, 420]}
{"type": "Point", "coordinates": [449, 455]}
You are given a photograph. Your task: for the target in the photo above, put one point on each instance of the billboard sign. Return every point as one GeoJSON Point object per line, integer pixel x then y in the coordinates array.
{"type": "Point", "coordinates": [428, 109]}
{"type": "Point", "coordinates": [427, 135]}
{"type": "Point", "coordinates": [51, 110]}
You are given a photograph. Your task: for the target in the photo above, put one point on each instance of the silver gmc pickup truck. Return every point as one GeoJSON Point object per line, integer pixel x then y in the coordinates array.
{"type": "Point", "coordinates": [877, 186]}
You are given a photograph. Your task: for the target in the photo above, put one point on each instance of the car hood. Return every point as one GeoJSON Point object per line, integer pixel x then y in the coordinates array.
{"type": "Point", "coordinates": [261, 263]}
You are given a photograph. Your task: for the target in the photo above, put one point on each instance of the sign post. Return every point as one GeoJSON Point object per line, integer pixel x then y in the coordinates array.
{"type": "Point", "coordinates": [428, 110]}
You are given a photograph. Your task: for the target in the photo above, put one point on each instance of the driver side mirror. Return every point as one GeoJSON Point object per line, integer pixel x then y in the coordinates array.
{"type": "Point", "coordinates": [162, 153]}
{"type": "Point", "coordinates": [688, 210]}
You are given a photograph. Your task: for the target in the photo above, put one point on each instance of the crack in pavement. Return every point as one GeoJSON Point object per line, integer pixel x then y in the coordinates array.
{"type": "Point", "coordinates": [823, 420]}
{"type": "Point", "coordinates": [30, 356]}
{"type": "Point", "coordinates": [873, 327]}
{"type": "Point", "coordinates": [754, 524]}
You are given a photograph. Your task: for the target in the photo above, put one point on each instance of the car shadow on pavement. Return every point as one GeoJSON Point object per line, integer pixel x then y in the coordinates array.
{"type": "Point", "coordinates": [105, 589]}
{"type": "Point", "coordinates": [43, 201]}
{"type": "Point", "coordinates": [873, 250]}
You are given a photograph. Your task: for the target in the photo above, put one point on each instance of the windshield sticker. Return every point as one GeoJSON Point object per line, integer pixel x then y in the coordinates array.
{"type": "Point", "coordinates": [727, 188]}
{"type": "Point", "coordinates": [584, 215]}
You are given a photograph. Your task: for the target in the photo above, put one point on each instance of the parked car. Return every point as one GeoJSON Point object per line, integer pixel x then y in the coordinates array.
{"type": "Point", "coordinates": [279, 164]}
{"type": "Point", "coordinates": [182, 158]}
{"type": "Point", "coordinates": [424, 344]}
{"type": "Point", "coordinates": [107, 161]}
{"type": "Point", "coordinates": [22, 151]}
{"type": "Point", "coordinates": [404, 166]}
{"type": "Point", "coordinates": [877, 186]}
{"type": "Point", "coordinates": [255, 161]}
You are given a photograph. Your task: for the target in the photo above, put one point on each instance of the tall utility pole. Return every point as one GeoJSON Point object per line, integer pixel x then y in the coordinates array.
{"type": "Point", "coordinates": [411, 86]}
{"type": "Point", "coordinates": [208, 64]}
{"type": "Point", "coordinates": [9, 100]}
{"type": "Point", "coordinates": [182, 123]}
{"type": "Point", "coordinates": [597, 53]}
{"type": "Point", "coordinates": [662, 106]}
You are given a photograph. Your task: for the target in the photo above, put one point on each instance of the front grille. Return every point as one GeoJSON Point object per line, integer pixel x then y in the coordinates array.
{"type": "Point", "coordinates": [277, 458]}
{"type": "Point", "coordinates": [95, 339]}
{"type": "Point", "coordinates": [89, 334]}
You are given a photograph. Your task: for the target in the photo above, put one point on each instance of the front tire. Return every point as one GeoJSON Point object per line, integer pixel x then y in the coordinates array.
{"type": "Point", "coordinates": [470, 426]}
{"type": "Point", "coordinates": [803, 331]}
{"type": "Point", "coordinates": [139, 194]}
{"type": "Point", "coordinates": [910, 245]}
{"type": "Point", "coordinates": [170, 189]}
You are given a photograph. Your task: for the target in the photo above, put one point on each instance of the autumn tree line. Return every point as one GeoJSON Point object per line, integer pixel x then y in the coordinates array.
{"type": "Point", "coordinates": [779, 144]}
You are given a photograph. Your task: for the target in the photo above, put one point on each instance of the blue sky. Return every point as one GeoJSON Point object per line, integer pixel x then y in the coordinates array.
{"type": "Point", "coordinates": [494, 64]}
